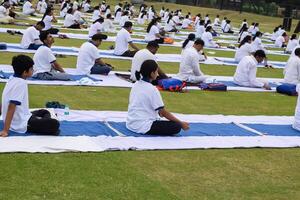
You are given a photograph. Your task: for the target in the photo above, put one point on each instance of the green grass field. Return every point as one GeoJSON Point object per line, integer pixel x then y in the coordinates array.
{"type": "Point", "coordinates": [266, 174]}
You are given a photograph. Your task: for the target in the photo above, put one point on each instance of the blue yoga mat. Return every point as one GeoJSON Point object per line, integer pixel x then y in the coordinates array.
{"type": "Point", "coordinates": [235, 62]}
{"type": "Point", "coordinates": [5, 75]}
{"type": "Point", "coordinates": [92, 129]}
{"type": "Point", "coordinates": [232, 84]}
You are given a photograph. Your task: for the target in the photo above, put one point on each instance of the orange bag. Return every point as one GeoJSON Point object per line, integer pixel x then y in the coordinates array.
{"type": "Point", "coordinates": [168, 40]}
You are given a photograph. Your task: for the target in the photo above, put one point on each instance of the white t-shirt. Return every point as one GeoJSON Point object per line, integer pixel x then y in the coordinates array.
{"type": "Point", "coordinates": [199, 31]}
{"type": "Point", "coordinates": [117, 7]}
{"type": "Point", "coordinates": [87, 55]}
{"type": "Point", "coordinates": [43, 7]}
{"type": "Point", "coordinates": [86, 7]}
{"type": "Point", "coordinates": [227, 28]}
{"type": "Point", "coordinates": [176, 19]}
{"type": "Point", "coordinates": [96, 15]}
{"type": "Point", "coordinates": [16, 91]}
{"type": "Point", "coordinates": [95, 28]}
{"type": "Point", "coordinates": [279, 41]}
{"type": "Point", "coordinates": [48, 22]}
{"type": "Point", "coordinates": [69, 20]}
{"type": "Point", "coordinates": [43, 59]}
{"type": "Point", "coordinates": [122, 40]}
{"type": "Point", "coordinates": [27, 8]}
{"type": "Point", "coordinates": [243, 51]}
{"type": "Point", "coordinates": [292, 70]}
{"type": "Point", "coordinates": [30, 35]}
{"type": "Point", "coordinates": [75, 5]}
{"type": "Point", "coordinates": [243, 35]}
{"type": "Point", "coordinates": [223, 23]}
{"type": "Point", "coordinates": [123, 19]}
{"type": "Point", "coordinates": [257, 45]}
{"type": "Point", "coordinates": [77, 15]}
{"type": "Point", "coordinates": [245, 74]}
{"type": "Point", "coordinates": [217, 21]}
{"type": "Point", "coordinates": [208, 40]}
{"type": "Point", "coordinates": [108, 26]}
{"type": "Point", "coordinates": [170, 26]}
{"type": "Point", "coordinates": [189, 64]}
{"type": "Point", "coordinates": [138, 59]}
{"type": "Point", "coordinates": [151, 35]}
{"type": "Point", "coordinates": [292, 44]}
{"type": "Point", "coordinates": [185, 23]}
{"type": "Point", "coordinates": [118, 17]}
{"type": "Point", "coordinates": [144, 103]}
{"type": "Point", "coordinates": [3, 12]}
{"type": "Point", "coordinates": [161, 13]}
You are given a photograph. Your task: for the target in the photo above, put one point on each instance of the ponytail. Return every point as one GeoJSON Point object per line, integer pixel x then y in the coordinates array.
{"type": "Point", "coordinates": [147, 68]}
{"type": "Point", "coordinates": [191, 37]}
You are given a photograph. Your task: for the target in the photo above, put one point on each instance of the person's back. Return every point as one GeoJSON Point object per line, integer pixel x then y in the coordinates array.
{"type": "Point", "coordinates": [291, 45]}
{"type": "Point", "coordinates": [279, 41]}
{"type": "Point", "coordinates": [207, 38]}
{"type": "Point", "coordinates": [121, 43]}
{"type": "Point", "coordinates": [29, 35]}
{"type": "Point", "coordinates": [138, 59]}
{"type": "Point", "coordinates": [244, 50]}
{"type": "Point", "coordinates": [43, 58]}
{"type": "Point", "coordinates": [3, 11]}
{"type": "Point", "coordinates": [95, 28]}
{"type": "Point", "coordinates": [292, 70]}
{"type": "Point", "coordinates": [87, 55]}
{"type": "Point", "coordinates": [245, 74]}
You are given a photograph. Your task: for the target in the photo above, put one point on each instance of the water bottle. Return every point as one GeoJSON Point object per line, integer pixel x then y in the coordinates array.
{"type": "Point", "coordinates": [67, 110]}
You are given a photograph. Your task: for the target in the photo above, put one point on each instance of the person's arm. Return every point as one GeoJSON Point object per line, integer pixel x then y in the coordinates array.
{"type": "Point", "coordinates": [159, 35]}
{"type": "Point", "coordinates": [9, 116]}
{"type": "Point", "coordinates": [54, 19]}
{"type": "Point", "coordinates": [195, 65]}
{"type": "Point", "coordinates": [164, 113]}
{"type": "Point", "coordinates": [253, 81]}
{"type": "Point", "coordinates": [57, 66]}
{"type": "Point", "coordinates": [100, 62]}
{"type": "Point", "coordinates": [133, 46]}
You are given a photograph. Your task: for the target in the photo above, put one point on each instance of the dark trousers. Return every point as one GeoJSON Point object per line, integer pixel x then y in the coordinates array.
{"type": "Point", "coordinates": [41, 123]}
{"type": "Point", "coordinates": [100, 69]}
{"type": "Point", "coordinates": [53, 30]}
{"type": "Point", "coordinates": [164, 128]}
{"type": "Point", "coordinates": [160, 40]}
{"type": "Point", "coordinates": [34, 46]}
{"type": "Point", "coordinates": [75, 26]}
{"type": "Point", "coordinates": [129, 53]}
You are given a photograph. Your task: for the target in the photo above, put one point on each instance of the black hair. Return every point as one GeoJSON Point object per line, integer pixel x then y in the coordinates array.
{"type": "Point", "coordinates": [297, 52]}
{"type": "Point", "coordinates": [258, 34]}
{"type": "Point", "coordinates": [99, 36]}
{"type": "Point", "coordinates": [96, 8]}
{"type": "Point", "coordinates": [294, 36]}
{"type": "Point", "coordinates": [201, 22]}
{"type": "Point", "coordinates": [147, 68]}
{"type": "Point", "coordinates": [44, 35]}
{"type": "Point", "coordinates": [276, 29]}
{"type": "Point", "coordinates": [153, 21]}
{"type": "Point", "coordinates": [170, 17]}
{"type": "Point", "coordinates": [65, 5]}
{"type": "Point", "coordinates": [143, 14]}
{"type": "Point", "coordinates": [244, 28]}
{"type": "Point", "coordinates": [41, 23]}
{"type": "Point", "coordinates": [207, 23]}
{"type": "Point", "coordinates": [245, 40]}
{"type": "Point", "coordinates": [100, 20]}
{"type": "Point", "coordinates": [284, 34]}
{"type": "Point", "coordinates": [191, 37]}
{"type": "Point", "coordinates": [21, 64]}
{"type": "Point", "coordinates": [260, 53]}
{"type": "Point", "coordinates": [47, 12]}
{"type": "Point", "coordinates": [208, 28]}
{"type": "Point", "coordinates": [199, 41]}
{"type": "Point", "coordinates": [70, 10]}
{"type": "Point", "coordinates": [153, 44]}
{"type": "Point", "coordinates": [127, 24]}
{"type": "Point", "coordinates": [108, 16]}
{"type": "Point", "coordinates": [118, 10]}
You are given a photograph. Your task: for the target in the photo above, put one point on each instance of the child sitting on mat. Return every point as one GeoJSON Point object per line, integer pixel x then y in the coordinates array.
{"type": "Point", "coordinates": [45, 65]}
{"type": "Point", "coordinates": [15, 105]}
{"type": "Point", "coordinates": [146, 105]}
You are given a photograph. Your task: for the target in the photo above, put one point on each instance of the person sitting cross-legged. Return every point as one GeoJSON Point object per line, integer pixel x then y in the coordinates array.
{"type": "Point", "coordinates": [31, 36]}
{"type": "Point", "coordinates": [15, 105]}
{"type": "Point", "coordinates": [292, 69]}
{"type": "Point", "coordinates": [89, 60]}
{"type": "Point", "coordinates": [123, 39]}
{"type": "Point", "coordinates": [46, 66]}
{"type": "Point", "coordinates": [245, 74]}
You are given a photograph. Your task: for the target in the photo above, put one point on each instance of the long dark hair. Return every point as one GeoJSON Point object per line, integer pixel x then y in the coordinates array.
{"type": "Point", "coordinates": [245, 40]}
{"type": "Point", "coordinates": [191, 37]}
{"type": "Point", "coordinates": [100, 20]}
{"type": "Point", "coordinates": [47, 12]}
{"type": "Point", "coordinates": [65, 5]}
{"type": "Point", "coordinates": [170, 17]}
{"type": "Point", "coordinates": [153, 21]}
{"type": "Point", "coordinates": [258, 34]}
{"type": "Point", "coordinates": [294, 36]}
{"type": "Point", "coordinates": [118, 10]}
{"type": "Point", "coordinates": [147, 68]}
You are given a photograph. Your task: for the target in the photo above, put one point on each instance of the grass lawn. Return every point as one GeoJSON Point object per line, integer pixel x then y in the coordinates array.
{"type": "Point", "coordinates": [191, 174]}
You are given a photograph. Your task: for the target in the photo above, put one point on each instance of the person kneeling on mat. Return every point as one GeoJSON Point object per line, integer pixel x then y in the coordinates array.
{"type": "Point", "coordinates": [15, 105]}
{"type": "Point", "coordinates": [89, 60]}
{"type": "Point", "coordinates": [146, 105]}
{"type": "Point", "coordinates": [245, 74]}
{"type": "Point", "coordinates": [45, 65]}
